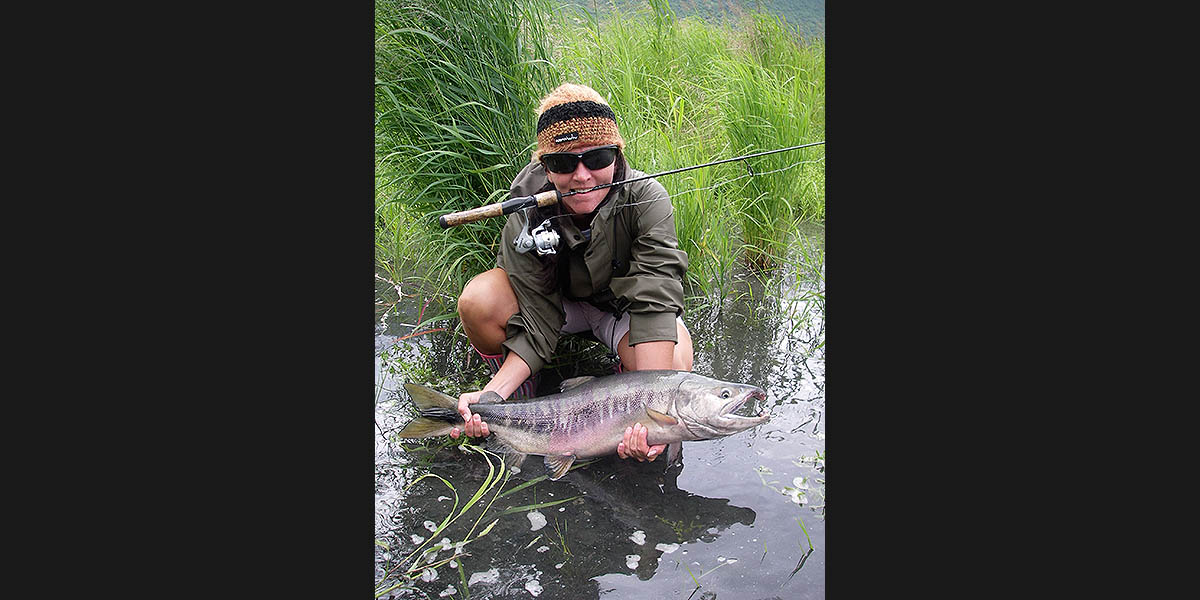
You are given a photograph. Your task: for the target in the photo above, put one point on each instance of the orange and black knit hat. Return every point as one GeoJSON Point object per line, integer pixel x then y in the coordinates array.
{"type": "Point", "coordinates": [575, 116]}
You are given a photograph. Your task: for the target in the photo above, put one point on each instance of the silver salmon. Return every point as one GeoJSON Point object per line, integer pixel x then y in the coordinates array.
{"type": "Point", "coordinates": [588, 418]}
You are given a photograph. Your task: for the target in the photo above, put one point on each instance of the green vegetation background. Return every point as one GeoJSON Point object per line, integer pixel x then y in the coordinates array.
{"type": "Point", "coordinates": [457, 83]}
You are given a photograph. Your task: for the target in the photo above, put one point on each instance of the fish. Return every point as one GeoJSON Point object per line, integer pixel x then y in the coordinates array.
{"type": "Point", "coordinates": [589, 416]}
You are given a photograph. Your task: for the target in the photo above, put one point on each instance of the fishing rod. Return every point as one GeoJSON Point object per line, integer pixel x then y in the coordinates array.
{"type": "Point", "coordinates": [553, 196]}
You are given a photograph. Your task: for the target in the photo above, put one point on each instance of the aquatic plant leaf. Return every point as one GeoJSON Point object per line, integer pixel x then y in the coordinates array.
{"type": "Point", "coordinates": [487, 529]}
{"type": "Point", "coordinates": [529, 507]}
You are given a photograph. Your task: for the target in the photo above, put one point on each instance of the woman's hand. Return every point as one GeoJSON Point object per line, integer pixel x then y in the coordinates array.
{"type": "Point", "coordinates": [634, 445]}
{"type": "Point", "coordinates": [474, 426]}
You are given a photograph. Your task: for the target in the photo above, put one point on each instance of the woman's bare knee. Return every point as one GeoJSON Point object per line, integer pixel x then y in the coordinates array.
{"type": "Point", "coordinates": [484, 307]}
{"type": "Point", "coordinates": [683, 349]}
{"type": "Point", "coordinates": [487, 298]}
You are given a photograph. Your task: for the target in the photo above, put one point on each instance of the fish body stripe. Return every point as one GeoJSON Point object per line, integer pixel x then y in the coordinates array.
{"type": "Point", "coordinates": [573, 415]}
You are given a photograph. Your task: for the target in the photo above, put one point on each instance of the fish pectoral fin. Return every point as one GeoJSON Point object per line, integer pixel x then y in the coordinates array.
{"type": "Point", "coordinates": [574, 382]}
{"type": "Point", "coordinates": [661, 418]}
{"type": "Point", "coordinates": [558, 465]}
{"type": "Point", "coordinates": [673, 451]}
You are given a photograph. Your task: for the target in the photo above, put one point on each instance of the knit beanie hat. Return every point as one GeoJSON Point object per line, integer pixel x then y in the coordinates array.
{"type": "Point", "coordinates": [575, 116]}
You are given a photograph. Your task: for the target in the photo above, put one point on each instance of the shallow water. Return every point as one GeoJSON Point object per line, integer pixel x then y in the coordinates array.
{"type": "Point", "coordinates": [729, 518]}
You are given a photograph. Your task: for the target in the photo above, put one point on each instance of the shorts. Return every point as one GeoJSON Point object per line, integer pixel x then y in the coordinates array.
{"type": "Point", "coordinates": [582, 316]}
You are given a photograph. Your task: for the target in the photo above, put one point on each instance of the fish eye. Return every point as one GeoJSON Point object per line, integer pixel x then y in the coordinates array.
{"type": "Point", "coordinates": [725, 394]}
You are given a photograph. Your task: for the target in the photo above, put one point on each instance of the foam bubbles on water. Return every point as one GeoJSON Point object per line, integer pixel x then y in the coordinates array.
{"type": "Point", "coordinates": [667, 548]}
{"type": "Point", "coordinates": [536, 520]}
{"type": "Point", "coordinates": [638, 537]}
{"type": "Point", "coordinates": [489, 576]}
{"type": "Point", "coordinates": [416, 539]}
{"type": "Point", "coordinates": [449, 591]}
{"type": "Point", "coordinates": [631, 560]}
{"type": "Point", "coordinates": [430, 525]}
{"type": "Point", "coordinates": [543, 548]}
{"type": "Point", "coordinates": [429, 575]}
{"type": "Point", "coordinates": [534, 587]}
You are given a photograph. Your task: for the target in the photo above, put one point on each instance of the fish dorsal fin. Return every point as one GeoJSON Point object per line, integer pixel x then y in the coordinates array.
{"type": "Point", "coordinates": [660, 418]}
{"type": "Point", "coordinates": [574, 382]}
{"type": "Point", "coordinates": [490, 397]}
{"type": "Point", "coordinates": [558, 465]}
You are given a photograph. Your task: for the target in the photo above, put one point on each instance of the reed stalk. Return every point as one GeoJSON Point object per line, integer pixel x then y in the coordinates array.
{"type": "Point", "coordinates": [457, 83]}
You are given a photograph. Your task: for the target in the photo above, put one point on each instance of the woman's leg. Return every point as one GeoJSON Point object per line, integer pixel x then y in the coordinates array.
{"type": "Point", "coordinates": [485, 306]}
{"type": "Point", "coordinates": [681, 360]}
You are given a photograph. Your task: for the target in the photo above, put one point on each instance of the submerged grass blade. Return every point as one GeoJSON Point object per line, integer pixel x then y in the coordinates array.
{"type": "Point", "coordinates": [542, 478]}
{"type": "Point", "coordinates": [805, 530]}
{"type": "Point", "coordinates": [449, 517]}
{"type": "Point", "coordinates": [529, 507]}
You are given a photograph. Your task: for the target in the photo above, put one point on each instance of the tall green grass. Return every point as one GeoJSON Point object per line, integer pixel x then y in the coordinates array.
{"type": "Point", "coordinates": [776, 100]}
{"type": "Point", "coordinates": [456, 86]}
{"type": "Point", "coordinates": [689, 92]}
{"type": "Point", "coordinates": [458, 82]}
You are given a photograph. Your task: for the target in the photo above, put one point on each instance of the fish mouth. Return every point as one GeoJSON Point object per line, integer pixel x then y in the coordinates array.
{"type": "Point", "coordinates": [731, 410]}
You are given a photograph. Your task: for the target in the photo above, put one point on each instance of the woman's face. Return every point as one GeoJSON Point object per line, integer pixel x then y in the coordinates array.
{"type": "Point", "coordinates": [583, 178]}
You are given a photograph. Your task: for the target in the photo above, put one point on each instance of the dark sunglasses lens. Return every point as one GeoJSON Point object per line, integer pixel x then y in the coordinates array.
{"type": "Point", "coordinates": [599, 158]}
{"type": "Point", "coordinates": [560, 163]}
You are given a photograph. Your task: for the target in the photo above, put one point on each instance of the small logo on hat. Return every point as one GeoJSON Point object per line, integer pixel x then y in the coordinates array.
{"type": "Point", "coordinates": [566, 137]}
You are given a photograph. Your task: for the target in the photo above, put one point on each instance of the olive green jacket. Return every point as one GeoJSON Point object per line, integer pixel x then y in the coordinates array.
{"type": "Point", "coordinates": [633, 252]}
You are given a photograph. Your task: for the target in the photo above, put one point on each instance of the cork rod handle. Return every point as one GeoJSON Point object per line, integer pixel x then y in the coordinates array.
{"type": "Point", "coordinates": [498, 209]}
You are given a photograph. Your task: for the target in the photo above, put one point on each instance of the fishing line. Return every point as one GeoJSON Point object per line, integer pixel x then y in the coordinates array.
{"type": "Point", "coordinates": [672, 172]}
{"type": "Point", "coordinates": [700, 189]}
{"type": "Point", "coordinates": [553, 196]}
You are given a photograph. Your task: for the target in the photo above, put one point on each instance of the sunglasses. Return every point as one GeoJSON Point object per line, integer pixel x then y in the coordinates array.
{"type": "Point", "coordinates": [567, 162]}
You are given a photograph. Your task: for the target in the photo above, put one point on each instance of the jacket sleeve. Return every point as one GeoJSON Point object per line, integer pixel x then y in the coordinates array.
{"type": "Point", "coordinates": [653, 286]}
{"type": "Point", "coordinates": [533, 331]}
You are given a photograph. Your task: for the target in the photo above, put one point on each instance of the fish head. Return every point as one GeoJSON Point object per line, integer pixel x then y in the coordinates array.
{"type": "Point", "coordinates": [708, 407]}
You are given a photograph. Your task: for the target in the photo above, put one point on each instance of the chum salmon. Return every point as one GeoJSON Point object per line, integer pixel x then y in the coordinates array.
{"type": "Point", "coordinates": [589, 417]}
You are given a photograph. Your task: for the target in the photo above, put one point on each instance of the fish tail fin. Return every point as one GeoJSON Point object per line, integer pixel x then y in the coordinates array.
{"type": "Point", "coordinates": [422, 427]}
{"type": "Point", "coordinates": [439, 413]}
{"type": "Point", "coordinates": [426, 398]}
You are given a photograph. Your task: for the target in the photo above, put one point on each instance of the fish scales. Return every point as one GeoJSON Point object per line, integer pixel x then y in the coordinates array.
{"type": "Point", "coordinates": [590, 418]}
